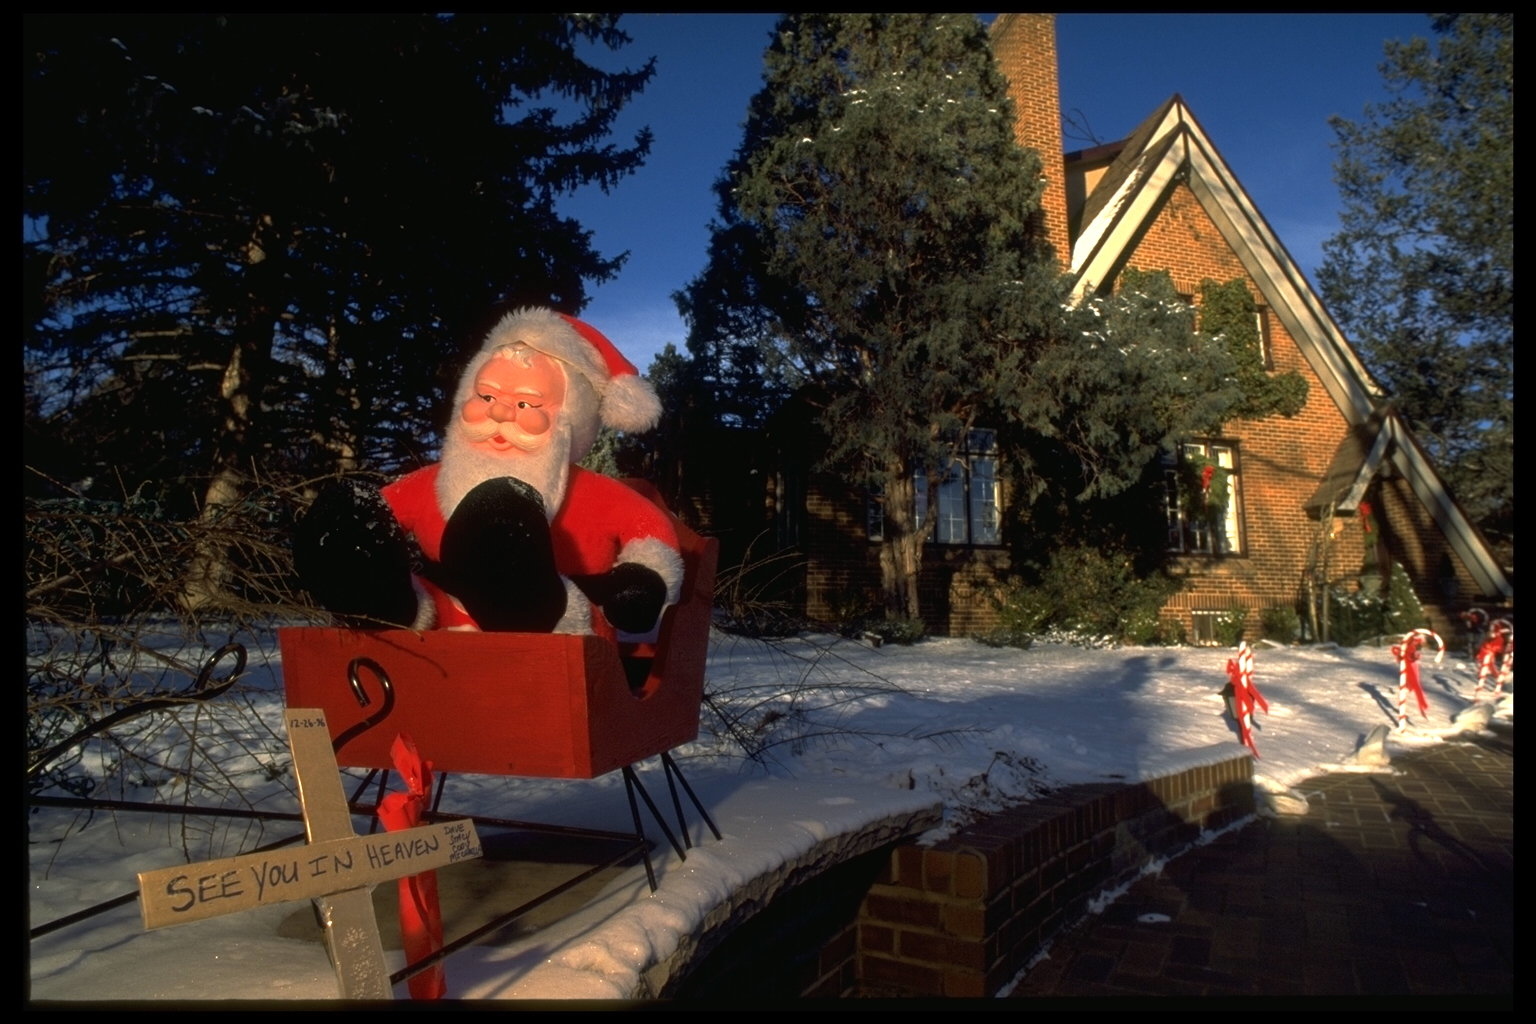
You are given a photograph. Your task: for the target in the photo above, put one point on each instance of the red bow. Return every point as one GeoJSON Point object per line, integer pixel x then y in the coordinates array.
{"type": "Point", "coordinates": [421, 919]}
{"type": "Point", "coordinates": [1245, 695]}
{"type": "Point", "coordinates": [1500, 644]}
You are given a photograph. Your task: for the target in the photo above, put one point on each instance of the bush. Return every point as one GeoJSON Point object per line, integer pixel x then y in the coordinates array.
{"type": "Point", "coordinates": [1355, 617]}
{"type": "Point", "coordinates": [750, 598]}
{"type": "Point", "coordinates": [1404, 611]}
{"type": "Point", "coordinates": [1281, 622]}
{"type": "Point", "coordinates": [1088, 593]}
{"type": "Point", "coordinates": [1020, 609]}
{"type": "Point", "coordinates": [851, 611]}
{"type": "Point", "coordinates": [1152, 630]}
{"type": "Point", "coordinates": [1230, 626]}
{"type": "Point", "coordinates": [1007, 636]}
{"type": "Point", "coordinates": [898, 631]}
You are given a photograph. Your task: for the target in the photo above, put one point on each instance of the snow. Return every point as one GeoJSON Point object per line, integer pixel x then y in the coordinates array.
{"type": "Point", "coordinates": [856, 744]}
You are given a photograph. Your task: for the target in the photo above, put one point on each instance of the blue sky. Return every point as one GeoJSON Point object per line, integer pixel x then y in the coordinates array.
{"type": "Point", "coordinates": [1262, 85]}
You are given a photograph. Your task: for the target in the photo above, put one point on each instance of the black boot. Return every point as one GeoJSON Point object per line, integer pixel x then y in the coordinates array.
{"type": "Point", "coordinates": [354, 559]}
{"type": "Point", "coordinates": [499, 561]}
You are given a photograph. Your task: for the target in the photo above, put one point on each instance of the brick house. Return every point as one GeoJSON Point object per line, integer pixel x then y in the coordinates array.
{"type": "Point", "coordinates": [1161, 199]}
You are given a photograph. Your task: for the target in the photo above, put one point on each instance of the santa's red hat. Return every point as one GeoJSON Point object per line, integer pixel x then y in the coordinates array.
{"type": "Point", "coordinates": [627, 401]}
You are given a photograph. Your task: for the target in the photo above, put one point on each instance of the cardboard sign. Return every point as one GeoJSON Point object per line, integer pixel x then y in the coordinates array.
{"type": "Point", "coordinates": [337, 870]}
{"type": "Point", "coordinates": [193, 892]}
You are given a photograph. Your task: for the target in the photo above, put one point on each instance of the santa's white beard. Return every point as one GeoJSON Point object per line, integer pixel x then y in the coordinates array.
{"type": "Point", "coordinates": [465, 466]}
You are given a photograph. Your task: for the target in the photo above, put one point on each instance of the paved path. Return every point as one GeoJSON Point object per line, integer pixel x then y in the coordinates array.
{"type": "Point", "coordinates": [1395, 891]}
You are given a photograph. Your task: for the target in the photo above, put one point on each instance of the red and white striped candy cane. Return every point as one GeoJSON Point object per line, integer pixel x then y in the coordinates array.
{"type": "Point", "coordinates": [1505, 631]}
{"type": "Point", "coordinates": [1245, 695]}
{"type": "Point", "coordinates": [1408, 671]}
{"type": "Point", "coordinates": [1250, 689]}
{"type": "Point", "coordinates": [1487, 655]}
{"type": "Point", "coordinates": [1500, 642]}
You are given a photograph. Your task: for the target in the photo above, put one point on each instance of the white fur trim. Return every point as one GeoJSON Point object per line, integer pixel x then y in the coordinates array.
{"type": "Point", "coordinates": [660, 556]}
{"type": "Point", "coordinates": [544, 331]}
{"type": "Point", "coordinates": [426, 608]}
{"type": "Point", "coordinates": [630, 404]}
{"type": "Point", "coordinates": [577, 619]}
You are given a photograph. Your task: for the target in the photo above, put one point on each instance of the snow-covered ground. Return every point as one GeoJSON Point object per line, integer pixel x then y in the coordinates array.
{"type": "Point", "coordinates": [846, 736]}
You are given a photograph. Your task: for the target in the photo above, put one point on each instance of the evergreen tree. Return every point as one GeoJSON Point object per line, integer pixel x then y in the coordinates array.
{"type": "Point", "coordinates": [874, 250]}
{"type": "Point", "coordinates": [1421, 274]}
{"type": "Point", "coordinates": [256, 243]}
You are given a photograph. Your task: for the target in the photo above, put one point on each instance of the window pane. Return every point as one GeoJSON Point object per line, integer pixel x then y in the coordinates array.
{"type": "Point", "coordinates": [1173, 511]}
{"type": "Point", "coordinates": [984, 501]}
{"type": "Point", "coordinates": [1193, 527]}
{"type": "Point", "coordinates": [951, 501]}
{"type": "Point", "coordinates": [920, 489]}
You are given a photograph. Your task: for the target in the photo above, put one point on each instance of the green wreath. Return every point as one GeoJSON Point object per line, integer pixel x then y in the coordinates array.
{"type": "Point", "coordinates": [1207, 488]}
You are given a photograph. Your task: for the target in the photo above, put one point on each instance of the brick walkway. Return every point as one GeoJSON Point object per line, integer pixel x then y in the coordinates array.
{"type": "Point", "coordinates": [1395, 889]}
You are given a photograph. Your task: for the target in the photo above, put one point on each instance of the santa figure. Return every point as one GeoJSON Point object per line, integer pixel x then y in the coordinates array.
{"type": "Point", "coordinates": [506, 532]}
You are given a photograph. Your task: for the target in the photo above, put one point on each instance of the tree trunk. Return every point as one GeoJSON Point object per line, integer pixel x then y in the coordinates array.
{"type": "Point", "coordinates": [901, 551]}
{"type": "Point", "coordinates": [240, 387]}
{"type": "Point", "coordinates": [338, 434]}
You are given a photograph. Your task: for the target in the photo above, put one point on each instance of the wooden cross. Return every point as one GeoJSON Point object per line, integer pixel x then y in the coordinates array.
{"type": "Point", "coordinates": [338, 869]}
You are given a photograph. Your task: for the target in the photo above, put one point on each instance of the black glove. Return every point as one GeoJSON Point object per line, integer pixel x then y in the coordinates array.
{"type": "Point", "coordinates": [353, 557]}
{"type": "Point", "coordinates": [630, 595]}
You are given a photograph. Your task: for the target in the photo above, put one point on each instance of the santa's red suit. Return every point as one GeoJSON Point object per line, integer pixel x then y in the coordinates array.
{"type": "Point", "coordinates": [600, 522]}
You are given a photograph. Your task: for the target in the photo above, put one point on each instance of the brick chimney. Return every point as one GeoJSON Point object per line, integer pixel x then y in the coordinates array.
{"type": "Point", "coordinates": [1024, 46]}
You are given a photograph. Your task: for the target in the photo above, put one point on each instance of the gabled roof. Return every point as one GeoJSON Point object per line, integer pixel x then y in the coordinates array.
{"type": "Point", "coordinates": [1170, 147]}
{"type": "Point", "coordinates": [1357, 459]}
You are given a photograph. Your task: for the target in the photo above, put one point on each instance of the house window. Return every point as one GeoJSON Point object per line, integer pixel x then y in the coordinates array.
{"type": "Point", "coordinates": [968, 499]}
{"type": "Point", "coordinates": [789, 505]}
{"type": "Point", "coordinates": [1204, 624]}
{"type": "Point", "coordinates": [1266, 349]}
{"type": "Point", "coordinates": [1203, 499]}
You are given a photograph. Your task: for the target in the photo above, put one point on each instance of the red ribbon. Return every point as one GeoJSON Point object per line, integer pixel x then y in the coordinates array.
{"type": "Point", "coordinates": [1488, 659]}
{"type": "Point", "coordinates": [421, 919]}
{"type": "Point", "coordinates": [1245, 695]}
{"type": "Point", "coordinates": [1499, 645]}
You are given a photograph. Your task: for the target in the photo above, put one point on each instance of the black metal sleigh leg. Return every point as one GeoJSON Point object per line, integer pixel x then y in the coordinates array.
{"type": "Point", "coordinates": [674, 776]}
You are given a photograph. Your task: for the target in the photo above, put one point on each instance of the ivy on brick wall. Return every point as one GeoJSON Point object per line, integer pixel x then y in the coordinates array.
{"type": "Point", "coordinates": [1229, 310]}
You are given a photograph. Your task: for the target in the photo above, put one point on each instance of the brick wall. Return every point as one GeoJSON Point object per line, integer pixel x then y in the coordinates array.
{"type": "Point", "coordinates": [955, 588]}
{"type": "Point", "coordinates": [1024, 46]}
{"type": "Point", "coordinates": [963, 917]}
{"type": "Point", "coordinates": [1282, 458]}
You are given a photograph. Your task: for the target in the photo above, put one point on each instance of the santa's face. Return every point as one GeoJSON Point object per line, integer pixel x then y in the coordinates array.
{"type": "Point", "coordinates": [516, 400]}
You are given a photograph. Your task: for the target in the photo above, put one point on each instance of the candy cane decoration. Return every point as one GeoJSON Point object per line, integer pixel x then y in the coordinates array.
{"type": "Point", "coordinates": [1407, 655]}
{"type": "Point", "coordinates": [1244, 694]}
{"type": "Point", "coordinates": [1496, 658]}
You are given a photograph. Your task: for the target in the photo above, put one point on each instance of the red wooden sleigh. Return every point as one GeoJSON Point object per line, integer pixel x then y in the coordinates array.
{"type": "Point", "coordinates": [522, 704]}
